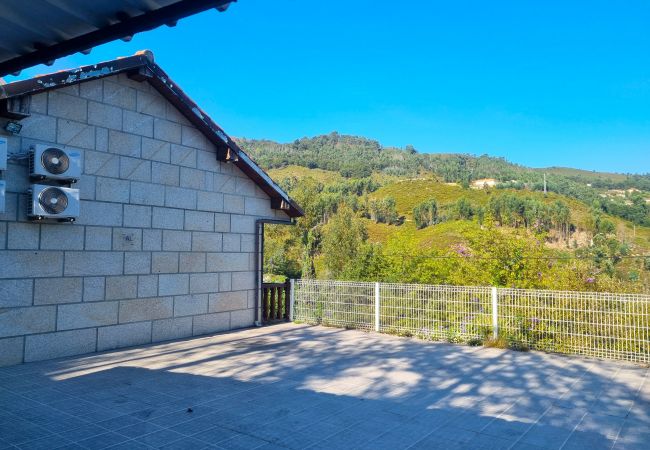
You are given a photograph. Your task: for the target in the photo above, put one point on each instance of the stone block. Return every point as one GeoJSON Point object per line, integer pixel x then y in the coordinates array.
{"type": "Point", "coordinates": [23, 235]}
{"type": "Point", "coordinates": [164, 262]}
{"type": "Point", "coordinates": [258, 207]}
{"type": "Point", "coordinates": [228, 301]}
{"type": "Point", "coordinates": [104, 115]}
{"type": "Point", "coordinates": [16, 293]}
{"type": "Point", "coordinates": [112, 190]}
{"type": "Point", "coordinates": [193, 178]}
{"type": "Point", "coordinates": [166, 130]}
{"type": "Point", "coordinates": [234, 204]}
{"type": "Point", "coordinates": [67, 106]}
{"type": "Point", "coordinates": [11, 206]}
{"type": "Point", "coordinates": [86, 186]}
{"type": "Point", "coordinates": [176, 197]}
{"type": "Point", "coordinates": [156, 150]}
{"type": "Point", "coordinates": [192, 137]}
{"type": "Point", "coordinates": [93, 290]}
{"type": "Point", "coordinates": [11, 350]}
{"type": "Point", "coordinates": [101, 139]}
{"type": "Point", "coordinates": [209, 201]}
{"type": "Point", "coordinates": [39, 127]}
{"type": "Point", "coordinates": [204, 282]}
{"type": "Point", "coordinates": [38, 103]}
{"type": "Point", "coordinates": [62, 237]}
{"type": "Point", "coordinates": [192, 262]}
{"type": "Point", "coordinates": [150, 103]}
{"type": "Point", "coordinates": [199, 221]}
{"type": "Point", "coordinates": [126, 335]}
{"type": "Point", "coordinates": [119, 94]}
{"type": "Point", "coordinates": [121, 287]}
{"type": "Point", "coordinates": [166, 174]}
{"type": "Point", "coordinates": [137, 216]}
{"type": "Point", "coordinates": [190, 305]}
{"type": "Point", "coordinates": [225, 281]}
{"type": "Point", "coordinates": [227, 262]}
{"type": "Point", "coordinates": [206, 242]}
{"type": "Point", "coordinates": [127, 239]}
{"type": "Point", "coordinates": [102, 164]}
{"type": "Point", "coordinates": [152, 240]}
{"type": "Point", "coordinates": [99, 213]}
{"type": "Point", "coordinates": [124, 144]}
{"type": "Point", "coordinates": [135, 169]}
{"type": "Point", "coordinates": [75, 134]}
{"type": "Point", "coordinates": [245, 186]}
{"type": "Point", "coordinates": [34, 264]}
{"type": "Point", "coordinates": [147, 286]}
{"type": "Point", "coordinates": [137, 263]}
{"type": "Point", "coordinates": [137, 123]}
{"type": "Point", "coordinates": [147, 194]}
{"type": "Point", "coordinates": [210, 323]}
{"type": "Point", "coordinates": [30, 320]}
{"type": "Point", "coordinates": [99, 238]}
{"type": "Point", "coordinates": [89, 263]}
{"type": "Point", "coordinates": [223, 183]}
{"type": "Point", "coordinates": [146, 309]}
{"type": "Point", "coordinates": [231, 242]}
{"type": "Point", "coordinates": [243, 280]}
{"type": "Point", "coordinates": [177, 241]}
{"type": "Point", "coordinates": [86, 315]}
{"type": "Point", "coordinates": [248, 243]}
{"type": "Point", "coordinates": [49, 291]}
{"type": "Point", "coordinates": [242, 224]}
{"type": "Point", "coordinates": [92, 90]}
{"type": "Point", "coordinates": [183, 156]}
{"type": "Point", "coordinates": [168, 218]}
{"type": "Point", "coordinates": [243, 318]}
{"type": "Point", "coordinates": [60, 344]}
{"type": "Point", "coordinates": [175, 284]}
{"type": "Point", "coordinates": [169, 329]}
{"type": "Point", "coordinates": [222, 222]}
{"type": "Point", "coordinates": [207, 160]}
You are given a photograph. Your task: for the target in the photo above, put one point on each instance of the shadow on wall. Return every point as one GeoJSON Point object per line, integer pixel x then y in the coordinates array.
{"type": "Point", "coordinates": [299, 387]}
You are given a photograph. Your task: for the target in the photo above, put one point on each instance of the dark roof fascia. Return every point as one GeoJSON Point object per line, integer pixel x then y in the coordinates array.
{"type": "Point", "coordinates": [142, 67]}
{"type": "Point", "coordinates": [167, 15]}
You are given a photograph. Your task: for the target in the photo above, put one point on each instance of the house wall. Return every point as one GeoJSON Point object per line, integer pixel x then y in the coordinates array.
{"type": "Point", "coordinates": [165, 244]}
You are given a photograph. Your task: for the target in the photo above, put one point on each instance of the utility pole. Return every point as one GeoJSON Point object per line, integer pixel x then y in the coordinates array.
{"type": "Point", "coordinates": [544, 184]}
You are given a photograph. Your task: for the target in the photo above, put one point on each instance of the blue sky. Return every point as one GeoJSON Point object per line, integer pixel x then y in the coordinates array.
{"type": "Point", "coordinates": [563, 83]}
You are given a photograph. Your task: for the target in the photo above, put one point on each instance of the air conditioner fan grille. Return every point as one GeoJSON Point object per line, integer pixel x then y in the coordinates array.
{"type": "Point", "coordinates": [55, 161]}
{"type": "Point", "coordinates": [53, 200]}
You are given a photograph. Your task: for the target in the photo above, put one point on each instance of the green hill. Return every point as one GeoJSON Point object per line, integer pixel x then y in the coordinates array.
{"type": "Point", "coordinates": [360, 199]}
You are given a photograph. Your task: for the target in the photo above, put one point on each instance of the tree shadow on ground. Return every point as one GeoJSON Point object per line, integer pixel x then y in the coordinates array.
{"type": "Point", "coordinates": [299, 387]}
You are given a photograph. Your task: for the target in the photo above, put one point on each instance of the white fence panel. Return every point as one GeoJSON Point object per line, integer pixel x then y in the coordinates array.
{"type": "Point", "coordinates": [603, 325]}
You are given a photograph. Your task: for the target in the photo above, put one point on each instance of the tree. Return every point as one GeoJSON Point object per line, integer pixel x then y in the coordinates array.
{"type": "Point", "coordinates": [426, 213]}
{"type": "Point", "coordinates": [343, 237]}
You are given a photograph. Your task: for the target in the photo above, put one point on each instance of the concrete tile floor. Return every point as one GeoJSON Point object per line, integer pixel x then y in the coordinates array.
{"type": "Point", "coordinates": [295, 386]}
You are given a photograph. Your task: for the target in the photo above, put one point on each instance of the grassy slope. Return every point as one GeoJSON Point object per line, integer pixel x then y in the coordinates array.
{"type": "Point", "coordinates": [408, 193]}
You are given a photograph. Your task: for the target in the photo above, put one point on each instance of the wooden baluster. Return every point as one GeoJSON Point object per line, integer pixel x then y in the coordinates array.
{"type": "Point", "coordinates": [272, 304]}
{"type": "Point", "coordinates": [287, 299]}
{"type": "Point", "coordinates": [278, 312]}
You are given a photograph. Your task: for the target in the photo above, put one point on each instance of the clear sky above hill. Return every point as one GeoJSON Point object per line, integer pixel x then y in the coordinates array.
{"type": "Point", "coordinates": [564, 83]}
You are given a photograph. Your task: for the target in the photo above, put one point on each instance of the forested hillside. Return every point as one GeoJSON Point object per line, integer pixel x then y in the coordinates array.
{"type": "Point", "coordinates": [376, 213]}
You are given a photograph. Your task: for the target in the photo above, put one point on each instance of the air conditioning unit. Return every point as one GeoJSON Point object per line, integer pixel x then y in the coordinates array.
{"type": "Point", "coordinates": [54, 202]}
{"type": "Point", "coordinates": [3, 187]}
{"type": "Point", "coordinates": [3, 153]}
{"type": "Point", "coordinates": [54, 163]}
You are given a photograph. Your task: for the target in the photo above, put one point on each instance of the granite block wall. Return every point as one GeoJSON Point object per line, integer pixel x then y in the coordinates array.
{"type": "Point", "coordinates": [163, 249]}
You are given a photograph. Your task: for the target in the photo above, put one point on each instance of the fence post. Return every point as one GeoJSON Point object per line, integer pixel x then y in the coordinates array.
{"type": "Point", "coordinates": [292, 298]}
{"type": "Point", "coordinates": [495, 314]}
{"type": "Point", "coordinates": [377, 306]}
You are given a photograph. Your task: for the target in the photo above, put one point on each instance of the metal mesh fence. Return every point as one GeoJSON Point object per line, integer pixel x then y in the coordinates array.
{"type": "Point", "coordinates": [604, 325]}
{"type": "Point", "coordinates": [596, 324]}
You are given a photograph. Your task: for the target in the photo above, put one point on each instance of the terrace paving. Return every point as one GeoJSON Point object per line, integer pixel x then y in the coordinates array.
{"type": "Point", "coordinates": [297, 386]}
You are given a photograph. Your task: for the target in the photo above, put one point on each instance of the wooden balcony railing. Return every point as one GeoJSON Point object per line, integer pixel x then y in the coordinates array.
{"type": "Point", "coordinates": [275, 302]}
